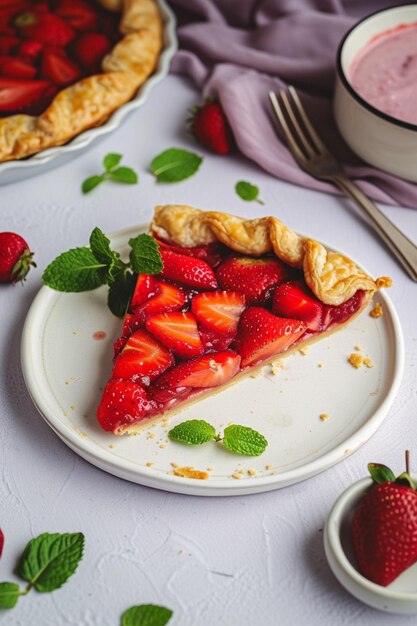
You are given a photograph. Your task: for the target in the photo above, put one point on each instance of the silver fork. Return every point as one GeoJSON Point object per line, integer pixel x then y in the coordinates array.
{"type": "Point", "coordinates": [312, 156]}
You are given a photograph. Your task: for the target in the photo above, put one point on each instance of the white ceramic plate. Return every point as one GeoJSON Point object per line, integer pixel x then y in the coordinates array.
{"type": "Point", "coordinates": [13, 171]}
{"type": "Point", "coordinates": [65, 368]}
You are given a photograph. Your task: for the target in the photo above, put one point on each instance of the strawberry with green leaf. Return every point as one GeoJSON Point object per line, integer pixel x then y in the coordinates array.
{"type": "Point", "coordinates": [384, 526]}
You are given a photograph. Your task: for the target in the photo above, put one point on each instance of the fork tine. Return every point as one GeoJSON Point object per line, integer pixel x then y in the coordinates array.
{"type": "Point", "coordinates": [308, 147]}
{"type": "Point", "coordinates": [287, 132]}
{"type": "Point", "coordinates": [308, 125]}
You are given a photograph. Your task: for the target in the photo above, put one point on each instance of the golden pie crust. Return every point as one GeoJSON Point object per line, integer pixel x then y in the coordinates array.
{"type": "Point", "coordinates": [332, 277]}
{"type": "Point", "coordinates": [92, 100]}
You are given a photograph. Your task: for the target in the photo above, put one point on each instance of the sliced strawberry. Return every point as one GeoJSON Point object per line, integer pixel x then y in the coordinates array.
{"type": "Point", "coordinates": [18, 68]}
{"type": "Point", "coordinates": [215, 342]}
{"type": "Point", "coordinates": [31, 48]}
{"type": "Point", "coordinates": [123, 403]}
{"type": "Point", "coordinates": [219, 311]}
{"type": "Point", "coordinates": [168, 298]}
{"type": "Point", "coordinates": [8, 44]}
{"type": "Point", "coordinates": [16, 94]}
{"type": "Point", "coordinates": [78, 14]}
{"type": "Point", "coordinates": [339, 314]}
{"type": "Point", "coordinates": [187, 270]}
{"type": "Point", "coordinates": [60, 70]}
{"type": "Point", "coordinates": [294, 299]}
{"type": "Point", "coordinates": [146, 287]}
{"type": "Point", "coordinates": [44, 27]}
{"type": "Point", "coordinates": [142, 359]}
{"type": "Point", "coordinates": [89, 50]}
{"type": "Point", "coordinates": [178, 331]}
{"type": "Point", "coordinates": [251, 276]}
{"type": "Point", "coordinates": [212, 253]}
{"type": "Point", "coordinates": [210, 370]}
{"type": "Point", "coordinates": [262, 335]}
{"type": "Point", "coordinates": [43, 102]}
{"type": "Point", "coordinates": [118, 345]}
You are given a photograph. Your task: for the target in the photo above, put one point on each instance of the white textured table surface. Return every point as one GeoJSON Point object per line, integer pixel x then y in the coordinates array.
{"type": "Point", "coordinates": [215, 561]}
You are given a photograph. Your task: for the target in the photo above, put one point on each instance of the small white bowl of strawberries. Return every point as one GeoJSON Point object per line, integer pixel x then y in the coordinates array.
{"type": "Point", "coordinates": [370, 540]}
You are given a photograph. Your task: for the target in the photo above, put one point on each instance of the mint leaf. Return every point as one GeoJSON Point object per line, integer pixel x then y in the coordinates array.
{"type": "Point", "coordinates": [111, 160]}
{"type": "Point", "coordinates": [9, 595]}
{"type": "Point", "coordinates": [174, 165]}
{"type": "Point", "coordinates": [100, 247]}
{"type": "Point", "coordinates": [121, 174]}
{"type": "Point", "coordinates": [247, 191]}
{"type": "Point", "coordinates": [146, 615]}
{"type": "Point", "coordinates": [193, 432]}
{"type": "Point", "coordinates": [120, 293]}
{"type": "Point", "coordinates": [74, 271]}
{"type": "Point", "coordinates": [144, 256]}
{"type": "Point", "coordinates": [50, 559]}
{"type": "Point", "coordinates": [90, 183]}
{"type": "Point", "coordinates": [124, 175]}
{"type": "Point", "coordinates": [244, 440]}
{"type": "Point", "coordinates": [380, 473]}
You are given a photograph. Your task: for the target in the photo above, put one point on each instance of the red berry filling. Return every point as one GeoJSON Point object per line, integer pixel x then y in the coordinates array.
{"type": "Point", "coordinates": [47, 46]}
{"type": "Point", "coordinates": [184, 335]}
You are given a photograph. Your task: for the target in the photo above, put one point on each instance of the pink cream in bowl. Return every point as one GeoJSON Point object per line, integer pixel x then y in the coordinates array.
{"type": "Point", "coordinates": [384, 72]}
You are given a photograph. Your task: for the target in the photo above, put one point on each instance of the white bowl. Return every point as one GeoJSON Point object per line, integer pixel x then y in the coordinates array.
{"type": "Point", "coordinates": [398, 597]}
{"type": "Point", "coordinates": [381, 140]}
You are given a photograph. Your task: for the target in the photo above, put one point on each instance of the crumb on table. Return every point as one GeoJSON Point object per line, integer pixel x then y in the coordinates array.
{"type": "Point", "coordinates": [324, 417]}
{"type": "Point", "coordinates": [368, 361]}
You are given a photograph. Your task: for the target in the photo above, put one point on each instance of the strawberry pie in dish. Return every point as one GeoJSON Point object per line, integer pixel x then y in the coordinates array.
{"type": "Point", "coordinates": [67, 65]}
{"type": "Point", "coordinates": [234, 295]}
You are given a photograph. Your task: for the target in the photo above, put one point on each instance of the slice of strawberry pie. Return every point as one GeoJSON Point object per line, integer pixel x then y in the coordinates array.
{"type": "Point", "coordinates": [232, 296]}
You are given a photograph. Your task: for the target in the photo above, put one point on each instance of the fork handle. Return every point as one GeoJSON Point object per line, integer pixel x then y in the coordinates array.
{"type": "Point", "coordinates": [400, 245]}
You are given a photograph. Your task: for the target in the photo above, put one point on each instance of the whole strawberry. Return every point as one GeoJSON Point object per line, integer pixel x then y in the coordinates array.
{"type": "Point", "coordinates": [384, 527]}
{"type": "Point", "coordinates": [15, 258]}
{"type": "Point", "coordinates": [210, 127]}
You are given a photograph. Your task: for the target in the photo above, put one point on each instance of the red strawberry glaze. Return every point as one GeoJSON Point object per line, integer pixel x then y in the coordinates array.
{"type": "Point", "coordinates": [184, 335]}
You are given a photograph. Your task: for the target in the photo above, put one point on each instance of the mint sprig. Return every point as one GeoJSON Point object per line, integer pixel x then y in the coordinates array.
{"type": "Point", "coordinates": [248, 192]}
{"type": "Point", "coordinates": [174, 165]}
{"type": "Point", "coordinates": [146, 615]}
{"type": "Point", "coordinates": [238, 439]}
{"type": "Point", "coordinates": [46, 564]}
{"type": "Point", "coordinates": [86, 268]}
{"type": "Point", "coordinates": [111, 172]}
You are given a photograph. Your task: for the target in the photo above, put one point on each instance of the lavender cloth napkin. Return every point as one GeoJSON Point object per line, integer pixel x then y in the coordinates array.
{"type": "Point", "coordinates": [239, 50]}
